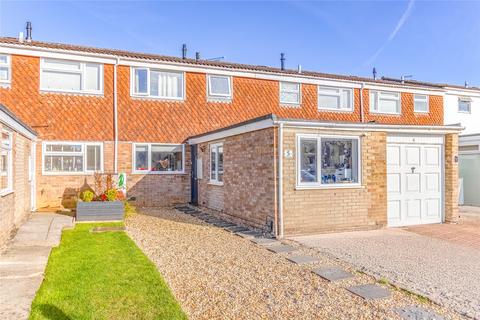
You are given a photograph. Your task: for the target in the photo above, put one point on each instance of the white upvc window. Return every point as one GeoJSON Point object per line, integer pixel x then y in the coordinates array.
{"type": "Point", "coordinates": [290, 93]}
{"type": "Point", "coordinates": [219, 87]}
{"type": "Point", "coordinates": [71, 76]}
{"type": "Point", "coordinates": [216, 163]}
{"type": "Point", "coordinates": [420, 103]}
{"type": "Point", "coordinates": [6, 161]}
{"type": "Point", "coordinates": [464, 105]}
{"type": "Point", "coordinates": [5, 69]}
{"type": "Point", "coordinates": [385, 102]}
{"type": "Point", "coordinates": [158, 158]}
{"type": "Point", "coordinates": [328, 161]}
{"type": "Point", "coordinates": [65, 158]}
{"type": "Point", "coordinates": [336, 99]}
{"type": "Point", "coordinates": [152, 83]}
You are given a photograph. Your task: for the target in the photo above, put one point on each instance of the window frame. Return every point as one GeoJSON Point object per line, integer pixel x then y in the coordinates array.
{"type": "Point", "coordinates": [82, 73]}
{"type": "Point", "coordinates": [378, 98]}
{"type": "Point", "coordinates": [299, 102]}
{"type": "Point", "coordinates": [148, 95]}
{"type": "Point", "coordinates": [62, 153]}
{"type": "Point", "coordinates": [318, 184]}
{"type": "Point", "coordinates": [340, 89]}
{"type": "Point", "coordinates": [215, 146]}
{"type": "Point", "coordinates": [9, 172]}
{"type": "Point", "coordinates": [427, 100]}
{"type": "Point", "coordinates": [8, 64]}
{"type": "Point", "coordinates": [469, 106]}
{"type": "Point", "coordinates": [212, 96]}
{"type": "Point", "coordinates": [149, 158]}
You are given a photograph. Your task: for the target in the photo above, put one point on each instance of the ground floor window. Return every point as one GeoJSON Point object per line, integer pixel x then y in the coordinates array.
{"type": "Point", "coordinates": [158, 158]}
{"type": "Point", "coordinates": [328, 160]}
{"type": "Point", "coordinates": [216, 163]}
{"type": "Point", "coordinates": [72, 157]}
{"type": "Point", "coordinates": [6, 161]}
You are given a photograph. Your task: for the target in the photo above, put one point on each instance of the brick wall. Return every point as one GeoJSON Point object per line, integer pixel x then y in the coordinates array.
{"type": "Point", "coordinates": [15, 207]}
{"type": "Point", "coordinates": [451, 178]}
{"type": "Point", "coordinates": [248, 193]}
{"type": "Point", "coordinates": [324, 210]}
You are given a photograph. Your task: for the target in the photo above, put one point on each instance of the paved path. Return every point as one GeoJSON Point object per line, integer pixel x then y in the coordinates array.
{"type": "Point", "coordinates": [446, 272]}
{"type": "Point", "coordinates": [23, 263]}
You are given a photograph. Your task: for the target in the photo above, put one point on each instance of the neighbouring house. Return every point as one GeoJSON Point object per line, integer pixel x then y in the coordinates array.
{"type": "Point", "coordinates": [462, 105]}
{"type": "Point", "coordinates": [383, 154]}
{"type": "Point", "coordinates": [17, 178]}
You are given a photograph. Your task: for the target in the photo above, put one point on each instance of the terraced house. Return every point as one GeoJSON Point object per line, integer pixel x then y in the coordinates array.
{"type": "Point", "coordinates": [288, 151]}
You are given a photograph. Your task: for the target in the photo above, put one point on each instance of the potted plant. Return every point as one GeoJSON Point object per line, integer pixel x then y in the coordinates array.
{"type": "Point", "coordinates": [103, 204]}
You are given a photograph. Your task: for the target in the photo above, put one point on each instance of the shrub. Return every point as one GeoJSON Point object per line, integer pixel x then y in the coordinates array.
{"type": "Point", "coordinates": [87, 196]}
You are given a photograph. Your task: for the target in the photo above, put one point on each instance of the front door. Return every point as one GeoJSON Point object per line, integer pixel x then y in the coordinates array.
{"type": "Point", "coordinates": [414, 184]}
{"type": "Point", "coordinates": [194, 175]}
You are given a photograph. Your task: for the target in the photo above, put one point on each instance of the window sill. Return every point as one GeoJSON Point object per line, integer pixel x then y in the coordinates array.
{"type": "Point", "coordinates": [465, 112]}
{"type": "Point", "coordinates": [332, 186]}
{"type": "Point", "coordinates": [74, 93]}
{"type": "Point", "coordinates": [421, 112]}
{"type": "Point", "coordinates": [159, 99]}
{"type": "Point", "coordinates": [6, 192]}
{"type": "Point", "coordinates": [146, 172]}
{"type": "Point", "coordinates": [335, 110]}
{"type": "Point", "coordinates": [219, 100]}
{"type": "Point", "coordinates": [5, 85]}
{"type": "Point", "coordinates": [215, 183]}
{"type": "Point", "coordinates": [385, 113]}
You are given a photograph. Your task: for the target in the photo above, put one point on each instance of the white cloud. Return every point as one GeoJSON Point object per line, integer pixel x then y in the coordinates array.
{"type": "Point", "coordinates": [400, 23]}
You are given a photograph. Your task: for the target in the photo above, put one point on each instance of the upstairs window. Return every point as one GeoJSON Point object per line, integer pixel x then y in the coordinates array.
{"type": "Point", "coordinates": [5, 69]}
{"type": "Point", "coordinates": [385, 102]}
{"type": "Point", "coordinates": [71, 76]}
{"type": "Point", "coordinates": [216, 163]}
{"type": "Point", "coordinates": [72, 157]}
{"type": "Point", "coordinates": [219, 87]}
{"type": "Point", "coordinates": [465, 105]}
{"type": "Point", "coordinates": [289, 93]}
{"type": "Point", "coordinates": [338, 99]}
{"type": "Point", "coordinates": [157, 84]}
{"type": "Point", "coordinates": [158, 158]}
{"type": "Point", "coordinates": [6, 161]}
{"type": "Point", "coordinates": [420, 103]}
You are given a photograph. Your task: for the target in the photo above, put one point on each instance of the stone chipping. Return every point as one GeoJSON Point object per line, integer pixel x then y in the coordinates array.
{"type": "Point", "coordinates": [215, 274]}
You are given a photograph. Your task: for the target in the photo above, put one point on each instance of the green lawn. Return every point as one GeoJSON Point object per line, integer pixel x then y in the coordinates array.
{"type": "Point", "coordinates": [102, 276]}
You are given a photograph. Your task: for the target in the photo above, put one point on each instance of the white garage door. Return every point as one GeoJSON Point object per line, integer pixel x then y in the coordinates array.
{"type": "Point", "coordinates": [414, 183]}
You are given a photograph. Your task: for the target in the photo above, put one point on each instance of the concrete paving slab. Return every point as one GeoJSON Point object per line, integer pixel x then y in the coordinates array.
{"type": "Point", "coordinates": [265, 241]}
{"type": "Point", "coordinates": [302, 259]}
{"type": "Point", "coordinates": [332, 273]}
{"type": "Point", "coordinates": [417, 313]}
{"type": "Point", "coordinates": [248, 234]}
{"type": "Point", "coordinates": [370, 291]}
{"type": "Point", "coordinates": [236, 228]}
{"type": "Point", "coordinates": [23, 263]}
{"type": "Point", "coordinates": [281, 248]}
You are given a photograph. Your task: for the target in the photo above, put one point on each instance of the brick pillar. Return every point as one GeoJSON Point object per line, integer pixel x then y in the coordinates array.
{"type": "Point", "coordinates": [451, 178]}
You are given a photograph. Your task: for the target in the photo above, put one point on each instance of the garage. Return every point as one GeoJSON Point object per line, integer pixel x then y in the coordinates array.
{"type": "Point", "coordinates": [414, 180]}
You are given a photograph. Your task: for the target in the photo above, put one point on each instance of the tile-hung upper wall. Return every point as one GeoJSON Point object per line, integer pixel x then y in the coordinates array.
{"type": "Point", "coordinates": [69, 116]}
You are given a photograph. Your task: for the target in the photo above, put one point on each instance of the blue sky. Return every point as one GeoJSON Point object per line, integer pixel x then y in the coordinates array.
{"type": "Point", "coordinates": [433, 41]}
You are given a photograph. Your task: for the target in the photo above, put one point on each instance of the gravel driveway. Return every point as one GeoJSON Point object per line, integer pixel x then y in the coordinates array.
{"type": "Point", "coordinates": [445, 272]}
{"type": "Point", "coordinates": [217, 275]}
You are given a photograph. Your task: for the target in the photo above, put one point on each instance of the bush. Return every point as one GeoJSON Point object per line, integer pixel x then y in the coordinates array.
{"type": "Point", "coordinates": [87, 196]}
{"type": "Point", "coordinates": [129, 209]}
{"type": "Point", "coordinates": [111, 194]}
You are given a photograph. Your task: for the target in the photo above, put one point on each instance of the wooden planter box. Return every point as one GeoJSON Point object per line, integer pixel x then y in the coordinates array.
{"type": "Point", "coordinates": [100, 211]}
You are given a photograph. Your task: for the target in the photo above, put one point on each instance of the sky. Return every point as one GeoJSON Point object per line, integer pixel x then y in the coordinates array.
{"type": "Point", "coordinates": [436, 41]}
